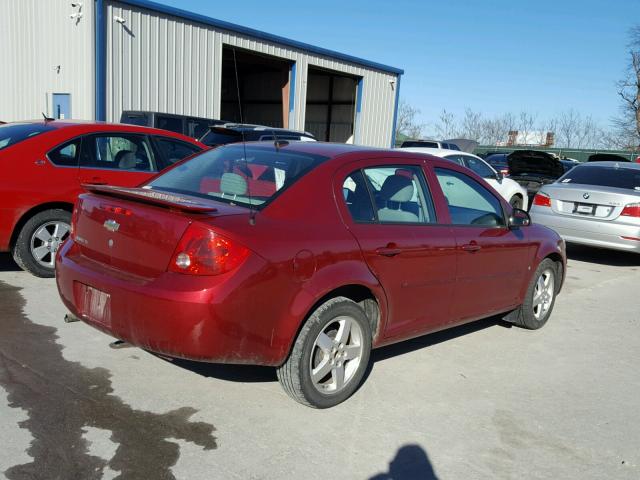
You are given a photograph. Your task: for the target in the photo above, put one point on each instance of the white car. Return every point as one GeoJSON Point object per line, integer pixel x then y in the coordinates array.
{"type": "Point", "coordinates": [511, 190]}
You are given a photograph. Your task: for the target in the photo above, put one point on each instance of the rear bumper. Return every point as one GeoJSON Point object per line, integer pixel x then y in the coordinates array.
{"type": "Point", "coordinates": [196, 318]}
{"type": "Point", "coordinates": [590, 232]}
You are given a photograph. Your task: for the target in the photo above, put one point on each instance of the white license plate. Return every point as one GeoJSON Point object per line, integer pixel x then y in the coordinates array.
{"type": "Point", "coordinates": [96, 305]}
{"type": "Point", "coordinates": [585, 209]}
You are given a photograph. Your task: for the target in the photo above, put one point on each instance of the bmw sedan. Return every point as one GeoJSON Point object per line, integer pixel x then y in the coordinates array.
{"type": "Point", "coordinates": [596, 203]}
{"type": "Point", "coordinates": [303, 256]}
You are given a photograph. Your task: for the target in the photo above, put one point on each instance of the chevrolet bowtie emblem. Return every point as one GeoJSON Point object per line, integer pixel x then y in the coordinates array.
{"type": "Point", "coordinates": [111, 225]}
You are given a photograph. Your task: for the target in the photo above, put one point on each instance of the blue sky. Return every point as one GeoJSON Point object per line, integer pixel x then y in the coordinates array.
{"type": "Point", "coordinates": [492, 56]}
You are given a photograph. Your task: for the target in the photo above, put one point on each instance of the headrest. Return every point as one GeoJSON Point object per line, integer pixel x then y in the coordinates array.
{"type": "Point", "coordinates": [233, 184]}
{"type": "Point", "coordinates": [126, 159]}
{"type": "Point", "coordinates": [397, 188]}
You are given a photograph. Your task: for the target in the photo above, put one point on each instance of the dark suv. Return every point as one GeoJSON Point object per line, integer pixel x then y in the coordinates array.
{"type": "Point", "coordinates": [190, 126]}
{"type": "Point", "coordinates": [242, 132]}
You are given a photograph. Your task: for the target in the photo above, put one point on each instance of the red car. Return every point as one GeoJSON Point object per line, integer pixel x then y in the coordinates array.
{"type": "Point", "coordinates": [45, 164]}
{"type": "Point", "coordinates": [350, 249]}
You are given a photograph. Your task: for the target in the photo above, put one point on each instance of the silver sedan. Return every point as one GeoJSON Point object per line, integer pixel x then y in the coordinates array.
{"type": "Point", "coordinates": [595, 204]}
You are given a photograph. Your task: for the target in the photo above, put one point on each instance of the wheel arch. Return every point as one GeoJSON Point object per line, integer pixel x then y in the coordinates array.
{"type": "Point", "coordinates": [34, 211]}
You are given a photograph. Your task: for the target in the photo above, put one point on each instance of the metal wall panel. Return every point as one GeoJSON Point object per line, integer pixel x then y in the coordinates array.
{"type": "Point", "coordinates": [170, 64]}
{"type": "Point", "coordinates": [38, 37]}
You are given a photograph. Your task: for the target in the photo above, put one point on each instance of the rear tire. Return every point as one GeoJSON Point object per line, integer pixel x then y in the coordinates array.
{"type": "Point", "coordinates": [539, 299]}
{"type": "Point", "coordinates": [330, 355]}
{"type": "Point", "coordinates": [39, 240]}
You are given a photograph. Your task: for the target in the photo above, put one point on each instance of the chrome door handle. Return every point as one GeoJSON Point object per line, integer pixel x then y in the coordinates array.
{"type": "Point", "coordinates": [388, 252]}
{"type": "Point", "coordinates": [471, 247]}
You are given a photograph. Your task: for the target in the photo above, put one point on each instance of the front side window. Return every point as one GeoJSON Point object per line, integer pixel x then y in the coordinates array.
{"type": "Point", "coordinates": [122, 152]}
{"type": "Point", "coordinates": [66, 155]}
{"type": "Point", "coordinates": [238, 174]}
{"type": "Point", "coordinates": [400, 194]}
{"type": "Point", "coordinates": [469, 202]}
{"type": "Point", "coordinates": [479, 167]}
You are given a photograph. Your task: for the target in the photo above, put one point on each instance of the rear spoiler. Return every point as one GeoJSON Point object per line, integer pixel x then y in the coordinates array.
{"type": "Point", "coordinates": [153, 197]}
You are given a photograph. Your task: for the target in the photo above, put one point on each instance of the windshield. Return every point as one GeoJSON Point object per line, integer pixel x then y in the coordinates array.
{"type": "Point", "coordinates": [12, 133]}
{"type": "Point", "coordinates": [227, 175]}
{"type": "Point", "coordinates": [627, 178]}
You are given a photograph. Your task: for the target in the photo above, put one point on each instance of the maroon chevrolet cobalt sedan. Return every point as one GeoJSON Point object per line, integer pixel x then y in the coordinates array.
{"type": "Point", "coordinates": [303, 256]}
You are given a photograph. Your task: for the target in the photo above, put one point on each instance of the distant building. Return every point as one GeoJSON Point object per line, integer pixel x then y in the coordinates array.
{"type": "Point", "coordinates": [516, 138]}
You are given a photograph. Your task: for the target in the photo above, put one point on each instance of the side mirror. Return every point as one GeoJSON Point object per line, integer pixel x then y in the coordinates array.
{"type": "Point", "coordinates": [519, 218]}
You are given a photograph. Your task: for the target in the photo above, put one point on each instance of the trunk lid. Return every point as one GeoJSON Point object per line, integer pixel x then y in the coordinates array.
{"type": "Point", "coordinates": [530, 163]}
{"type": "Point", "coordinates": [136, 230]}
{"type": "Point", "coordinates": [595, 202]}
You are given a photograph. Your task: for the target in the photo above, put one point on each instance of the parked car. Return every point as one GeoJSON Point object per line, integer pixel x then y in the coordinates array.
{"type": "Point", "coordinates": [429, 144]}
{"type": "Point", "coordinates": [304, 257]}
{"type": "Point", "coordinates": [607, 157]}
{"type": "Point", "coordinates": [499, 162]}
{"type": "Point", "coordinates": [188, 125]}
{"type": "Point", "coordinates": [243, 132]}
{"type": "Point", "coordinates": [596, 203]}
{"type": "Point", "coordinates": [568, 164]}
{"type": "Point", "coordinates": [510, 190]}
{"type": "Point", "coordinates": [45, 165]}
{"type": "Point", "coordinates": [533, 168]}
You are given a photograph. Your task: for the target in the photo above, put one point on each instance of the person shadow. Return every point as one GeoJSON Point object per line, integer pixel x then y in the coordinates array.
{"type": "Point", "coordinates": [410, 463]}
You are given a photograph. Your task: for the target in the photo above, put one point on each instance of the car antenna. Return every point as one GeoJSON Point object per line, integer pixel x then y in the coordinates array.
{"type": "Point", "coordinates": [252, 211]}
{"type": "Point", "coordinates": [47, 119]}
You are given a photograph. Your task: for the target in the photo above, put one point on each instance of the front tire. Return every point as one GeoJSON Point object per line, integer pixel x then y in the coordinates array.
{"type": "Point", "coordinates": [539, 299]}
{"type": "Point", "coordinates": [330, 355]}
{"type": "Point", "coordinates": [39, 240]}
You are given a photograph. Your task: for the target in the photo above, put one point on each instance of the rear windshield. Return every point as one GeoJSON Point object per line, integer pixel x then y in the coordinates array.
{"type": "Point", "coordinates": [12, 133]}
{"type": "Point", "coordinates": [213, 139]}
{"type": "Point", "coordinates": [238, 174]}
{"type": "Point", "coordinates": [411, 144]}
{"type": "Point", "coordinates": [628, 178]}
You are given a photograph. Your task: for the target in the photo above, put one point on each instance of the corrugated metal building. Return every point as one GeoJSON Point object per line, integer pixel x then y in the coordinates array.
{"type": "Point", "coordinates": [95, 58]}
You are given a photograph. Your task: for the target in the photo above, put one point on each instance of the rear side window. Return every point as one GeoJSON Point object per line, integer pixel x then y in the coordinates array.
{"type": "Point", "coordinates": [356, 196]}
{"type": "Point", "coordinates": [172, 124]}
{"type": "Point", "coordinates": [400, 194]}
{"type": "Point", "coordinates": [66, 155]}
{"type": "Point", "coordinates": [175, 150]}
{"type": "Point", "coordinates": [627, 178]}
{"type": "Point", "coordinates": [120, 151]}
{"type": "Point", "coordinates": [469, 202]}
{"type": "Point", "coordinates": [196, 127]}
{"type": "Point", "coordinates": [13, 133]}
{"type": "Point", "coordinates": [238, 174]}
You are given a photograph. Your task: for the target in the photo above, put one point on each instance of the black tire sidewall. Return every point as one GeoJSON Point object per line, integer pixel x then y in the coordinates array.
{"type": "Point", "coordinates": [22, 249]}
{"type": "Point", "coordinates": [516, 202]}
{"type": "Point", "coordinates": [318, 322]}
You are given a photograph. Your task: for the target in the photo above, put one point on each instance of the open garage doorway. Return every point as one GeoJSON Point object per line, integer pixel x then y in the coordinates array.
{"type": "Point", "coordinates": [331, 105]}
{"type": "Point", "coordinates": [264, 88]}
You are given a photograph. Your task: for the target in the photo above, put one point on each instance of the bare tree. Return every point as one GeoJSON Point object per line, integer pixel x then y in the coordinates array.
{"type": "Point", "coordinates": [446, 126]}
{"type": "Point", "coordinates": [627, 124]}
{"type": "Point", "coordinates": [407, 123]}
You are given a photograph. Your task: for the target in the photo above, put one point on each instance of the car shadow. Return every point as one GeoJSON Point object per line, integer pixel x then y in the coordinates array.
{"type": "Point", "coordinates": [602, 256]}
{"type": "Point", "coordinates": [260, 374]}
{"type": "Point", "coordinates": [7, 264]}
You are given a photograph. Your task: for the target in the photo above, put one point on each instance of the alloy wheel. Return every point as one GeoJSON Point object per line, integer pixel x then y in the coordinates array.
{"type": "Point", "coordinates": [543, 293]}
{"type": "Point", "coordinates": [46, 241]}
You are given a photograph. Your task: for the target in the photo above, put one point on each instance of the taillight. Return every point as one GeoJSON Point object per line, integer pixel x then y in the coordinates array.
{"type": "Point", "coordinates": [632, 210]}
{"type": "Point", "coordinates": [542, 200]}
{"type": "Point", "coordinates": [74, 219]}
{"type": "Point", "coordinates": [504, 171]}
{"type": "Point", "coordinates": [202, 251]}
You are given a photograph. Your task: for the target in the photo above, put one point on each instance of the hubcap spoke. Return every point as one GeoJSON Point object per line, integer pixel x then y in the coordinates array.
{"type": "Point", "coordinates": [321, 370]}
{"type": "Point", "coordinates": [62, 230]}
{"type": "Point", "coordinates": [40, 252]}
{"type": "Point", "coordinates": [43, 234]}
{"type": "Point", "coordinates": [343, 332]}
{"type": "Point", "coordinates": [325, 343]}
{"type": "Point", "coordinates": [352, 351]}
{"type": "Point", "coordinates": [338, 376]}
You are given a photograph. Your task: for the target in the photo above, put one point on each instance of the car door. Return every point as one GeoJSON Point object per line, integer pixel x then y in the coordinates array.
{"type": "Point", "coordinates": [491, 258]}
{"type": "Point", "coordinates": [389, 210]}
{"type": "Point", "coordinates": [116, 159]}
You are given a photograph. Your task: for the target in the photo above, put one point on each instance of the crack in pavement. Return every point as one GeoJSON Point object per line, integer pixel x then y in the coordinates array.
{"type": "Point", "coordinates": [61, 398]}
